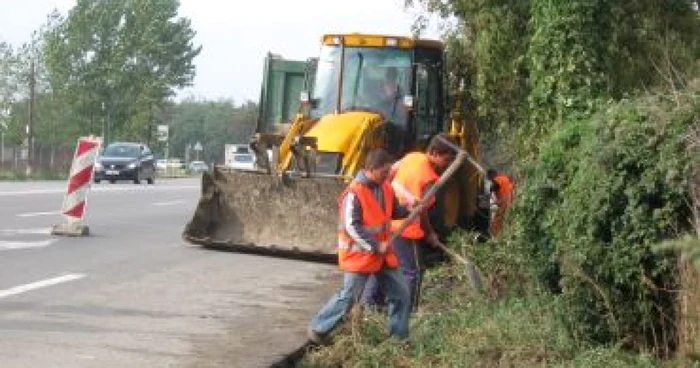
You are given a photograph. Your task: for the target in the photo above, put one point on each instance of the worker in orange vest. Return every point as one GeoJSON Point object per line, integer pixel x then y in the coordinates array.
{"type": "Point", "coordinates": [411, 178]}
{"type": "Point", "coordinates": [502, 191]}
{"type": "Point", "coordinates": [366, 209]}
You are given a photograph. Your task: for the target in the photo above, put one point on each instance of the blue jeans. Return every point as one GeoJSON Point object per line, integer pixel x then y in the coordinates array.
{"type": "Point", "coordinates": [411, 266]}
{"type": "Point", "coordinates": [340, 304]}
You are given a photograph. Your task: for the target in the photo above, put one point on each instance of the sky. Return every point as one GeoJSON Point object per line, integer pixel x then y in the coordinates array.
{"type": "Point", "coordinates": [236, 35]}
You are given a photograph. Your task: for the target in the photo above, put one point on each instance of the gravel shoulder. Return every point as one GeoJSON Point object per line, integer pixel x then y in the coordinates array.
{"type": "Point", "coordinates": [270, 328]}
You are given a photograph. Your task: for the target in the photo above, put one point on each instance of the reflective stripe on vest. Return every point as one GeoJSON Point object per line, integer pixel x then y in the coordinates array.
{"type": "Point", "coordinates": [402, 192]}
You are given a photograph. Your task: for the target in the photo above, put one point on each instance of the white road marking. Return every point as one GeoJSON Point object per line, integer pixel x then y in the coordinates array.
{"type": "Point", "coordinates": [169, 203]}
{"type": "Point", "coordinates": [40, 284]}
{"type": "Point", "coordinates": [7, 245]}
{"type": "Point", "coordinates": [33, 191]}
{"type": "Point", "coordinates": [102, 188]}
{"type": "Point", "coordinates": [35, 214]}
{"type": "Point", "coordinates": [140, 188]}
{"type": "Point", "coordinates": [35, 231]}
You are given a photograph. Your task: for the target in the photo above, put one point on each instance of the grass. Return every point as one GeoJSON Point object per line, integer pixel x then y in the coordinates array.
{"type": "Point", "coordinates": [455, 328]}
{"type": "Point", "coordinates": [20, 175]}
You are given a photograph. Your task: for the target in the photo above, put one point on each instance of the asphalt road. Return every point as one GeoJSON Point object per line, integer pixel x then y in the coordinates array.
{"type": "Point", "coordinates": [133, 293]}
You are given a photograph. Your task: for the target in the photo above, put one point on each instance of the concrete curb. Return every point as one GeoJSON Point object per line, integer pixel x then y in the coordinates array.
{"type": "Point", "coordinates": [70, 230]}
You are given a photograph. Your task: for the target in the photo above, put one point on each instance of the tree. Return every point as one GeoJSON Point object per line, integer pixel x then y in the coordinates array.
{"type": "Point", "coordinates": [6, 91]}
{"type": "Point", "coordinates": [533, 63]}
{"type": "Point", "coordinates": [114, 63]}
{"type": "Point", "coordinates": [485, 49]}
{"type": "Point", "coordinates": [7, 76]}
{"type": "Point", "coordinates": [213, 123]}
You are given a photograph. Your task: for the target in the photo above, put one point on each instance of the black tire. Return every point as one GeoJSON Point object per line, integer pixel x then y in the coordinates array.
{"type": "Point", "coordinates": [151, 180]}
{"type": "Point", "coordinates": [137, 178]}
{"type": "Point", "coordinates": [97, 181]}
{"type": "Point", "coordinates": [112, 181]}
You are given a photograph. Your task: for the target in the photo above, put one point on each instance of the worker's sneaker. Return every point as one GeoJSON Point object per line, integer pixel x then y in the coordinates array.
{"type": "Point", "coordinates": [316, 337]}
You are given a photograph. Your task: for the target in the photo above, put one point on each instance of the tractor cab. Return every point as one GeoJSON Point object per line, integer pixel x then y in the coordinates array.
{"type": "Point", "coordinates": [396, 77]}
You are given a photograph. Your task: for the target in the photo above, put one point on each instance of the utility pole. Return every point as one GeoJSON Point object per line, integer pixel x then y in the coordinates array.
{"type": "Point", "coordinates": [108, 134]}
{"type": "Point", "coordinates": [32, 113]}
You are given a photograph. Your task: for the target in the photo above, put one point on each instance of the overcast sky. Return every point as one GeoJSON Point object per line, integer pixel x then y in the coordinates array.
{"type": "Point", "coordinates": [236, 35]}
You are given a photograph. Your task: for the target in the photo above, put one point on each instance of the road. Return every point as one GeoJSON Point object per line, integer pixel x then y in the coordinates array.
{"type": "Point", "coordinates": [133, 293]}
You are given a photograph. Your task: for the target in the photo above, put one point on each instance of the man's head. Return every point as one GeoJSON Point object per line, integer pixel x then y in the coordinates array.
{"type": "Point", "coordinates": [491, 174]}
{"type": "Point", "coordinates": [440, 153]}
{"type": "Point", "coordinates": [390, 82]}
{"type": "Point", "coordinates": [378, 165]}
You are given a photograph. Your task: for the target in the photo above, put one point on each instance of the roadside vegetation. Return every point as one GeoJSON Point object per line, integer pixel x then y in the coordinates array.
{"type": "Point", "coordinates": [109, 69]}
{"type": "Point", "coordinates": [456, 328]}
{"type": "Point", "coordinates": [594, 108]}
{"type": "Point", "coordinates": [584, 275]}
{"type": "Point", "coordinates": [21, 175]}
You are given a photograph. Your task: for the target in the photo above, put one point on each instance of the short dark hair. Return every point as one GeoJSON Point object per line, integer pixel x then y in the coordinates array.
{"type": "Point", "coordinates": [377, 158]}
{"type": "Point", "coordinates": [438, 146]}
{"type": "Point", "coordinates": [491, 173]}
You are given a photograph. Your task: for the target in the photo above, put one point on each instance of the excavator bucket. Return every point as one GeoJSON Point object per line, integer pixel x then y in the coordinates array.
{"type": "Point", "coordinates": [254, 212]}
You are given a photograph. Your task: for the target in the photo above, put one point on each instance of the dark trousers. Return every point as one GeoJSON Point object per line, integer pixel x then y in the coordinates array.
{"type": "Point", "coordinates": [408, 252]}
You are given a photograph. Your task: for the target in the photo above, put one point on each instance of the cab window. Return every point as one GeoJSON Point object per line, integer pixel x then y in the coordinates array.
{"type": "Point", "coordinates": [429, 106]}
{"type": "Point", "coordinates": [427, 101]}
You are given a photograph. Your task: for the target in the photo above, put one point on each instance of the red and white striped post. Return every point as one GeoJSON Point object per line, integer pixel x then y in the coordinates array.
{"type": "Point", "coordinates": [75, 201]}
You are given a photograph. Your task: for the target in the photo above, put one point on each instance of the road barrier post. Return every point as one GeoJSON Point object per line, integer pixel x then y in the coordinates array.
{"type": "Point", "coordinates": [75, 200]}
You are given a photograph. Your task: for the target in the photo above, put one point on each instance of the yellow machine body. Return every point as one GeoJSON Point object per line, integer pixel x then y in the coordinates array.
{"type": "Point", "coordinates": [289, 206]}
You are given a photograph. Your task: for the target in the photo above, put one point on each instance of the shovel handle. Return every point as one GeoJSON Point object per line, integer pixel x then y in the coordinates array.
{"type": "Point", "coordinates": [461, 155]}
{"type": "Point", "coordinates": [456, 148]}
{"type": "Point", "coordinates": [471, 270]}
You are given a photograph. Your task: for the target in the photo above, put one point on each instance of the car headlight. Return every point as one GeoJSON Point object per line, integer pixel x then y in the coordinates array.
{"type": "Point", "coordinates": [98, 166]}
{"type": "Point", "coordinates": [132, 165]}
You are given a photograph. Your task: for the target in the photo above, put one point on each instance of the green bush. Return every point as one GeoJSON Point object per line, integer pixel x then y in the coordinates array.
{"type": "Point", "coordinates": [16, 175]}
{"type": "Point", "coordinates": [599, 195]}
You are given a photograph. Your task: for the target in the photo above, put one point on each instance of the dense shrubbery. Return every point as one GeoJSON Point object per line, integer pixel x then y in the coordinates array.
{"type": "Point", "coordinates": [598, 196]}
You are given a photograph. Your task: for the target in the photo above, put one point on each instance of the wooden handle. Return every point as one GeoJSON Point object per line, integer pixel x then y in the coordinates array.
{"type": "Point", "coordinates": [430, 194]}
{"type": "Point", "coordinates": [459, 149]}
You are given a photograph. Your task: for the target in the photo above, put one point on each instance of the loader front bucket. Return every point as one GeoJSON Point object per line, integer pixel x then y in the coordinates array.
{"type": "Point", "coordinates": [255, 212]}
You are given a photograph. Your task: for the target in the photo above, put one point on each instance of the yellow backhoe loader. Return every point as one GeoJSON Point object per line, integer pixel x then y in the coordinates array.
{"type": "Point", "coordinates": [362, 92]}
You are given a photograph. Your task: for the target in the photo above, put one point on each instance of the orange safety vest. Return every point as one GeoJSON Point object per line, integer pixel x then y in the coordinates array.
{"type": "Point", "coordinates": [376, 221]}
{"type": "Point", "coordinates": [413, 174]}
{"type": "Point", "coordinates": [504, 195]}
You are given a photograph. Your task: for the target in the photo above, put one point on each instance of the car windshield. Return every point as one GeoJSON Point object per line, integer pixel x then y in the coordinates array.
{"type": "Point", "coordinates": [122, 150]}
{"type": "Point", "coordinates": [243, 158]}
{"type": "Point", "coordinates": [373, 78]}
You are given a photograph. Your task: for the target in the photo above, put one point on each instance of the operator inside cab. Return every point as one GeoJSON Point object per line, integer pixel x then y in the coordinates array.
{"type": "Point", "coordinates": [386, 96]}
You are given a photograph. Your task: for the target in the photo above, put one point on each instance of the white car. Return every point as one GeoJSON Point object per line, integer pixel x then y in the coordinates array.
{"type": "Point", "coordinates": [242, 161]}
{"type": "Point", "coordinates": [198, 167]}
{"type": "Point", "coordinates": [161, 164]}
